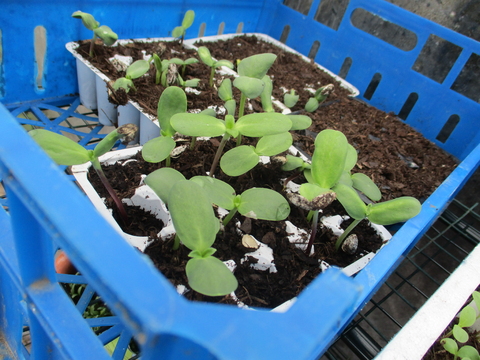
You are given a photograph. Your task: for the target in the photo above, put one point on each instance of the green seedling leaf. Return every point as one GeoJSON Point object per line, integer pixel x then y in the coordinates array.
{"type": "Point", "coordinates": [198, 125]}
{"type": "Point", "coordinates": [261, 124]}
{"type": "Point", "coordinates": [209, 112]}
{"type": "Point", "coordinates": [265, 204]}
{"type": "Point", "coordinates": [393, 211]}
{"type": "Point", "coordinates": [158, 149]}
{"type": "Point", "coordinates": [225, 90]}
{"type": "Point", "coordinates": [312, 105]}
{"type": "Point", "coordinates": [468, 352]}
{"type": "Point", "coordinates": [137, 69]}
{"type": "Point", "coordinates": [188, 19]}
{"type": "Point", "coordinates": [191, 82]}
{"type": "Point", "coordinates": [310, 191]}
{"type": "Point", "coordinates": [126, 132]}
{"type": "Point", "coordinates": [346, 179]}
{"type": "Point", "coordinates": [219, 192]}
{"type": "Point", "coordinates": [239, 160]}
{"type": "Point", "coordinates": [467, 317]}
{"type": "Point", "coordinates": [450, 345]}
{"type": "Point", "coordinates": [290, 99]}
{"type": "Point", "coordinates": [266, 95]}
{"type": "Point", "coordinates": [249, 86]}
{"type": "Point", "coordinates": [106, 34]}
{"type": "Point", "coordinates": [351, 201]}
{"type": "Point", "coordinates": [87, 19]}
{"type": "Point", "coordinates": [205, 55]}
{"type": "Point", "coordinates": [271, 145]}
{"type": "Point", "coordinates": [294, 162]}
{"type": "Point", "coordinates": [230, 105]}
{"type": "Point", "coordinates": [476, 298]}
{"type": "Point", "coordinates": [61, 149]}
{"type": "Point", "coordinates": [299, 122]}
{"type": "Point", "coordinates": [210, 276]}
{"type": "Point", "coordinates": [161, 181]}
{"type": "Point", "coordinates": [123, 83]}
{"type": "Point", "coordinates": [225, 63]}
{"type": "Point", "coordinates": [177, 31]}
{"type": "Point", "coordinates": [196, 225]}
{"type": "Point", "coordinates": [110, 347]}
{"type": "Point", "coordinates": [328, 160]}
{"type": "Point", "coordinates": [256, 66]}
{"type": "Point", "coordinates": [363, 183]}
{"type": "Point", "coordinates": [172, 101]}
{"type": "Point", "coordinates": [351, 159]}
{"type": "Point", "coordinates": [460, 334]}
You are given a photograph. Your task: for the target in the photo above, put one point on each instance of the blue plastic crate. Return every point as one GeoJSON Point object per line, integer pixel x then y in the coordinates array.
{"type": "Point", "coordinates": [389, 76]}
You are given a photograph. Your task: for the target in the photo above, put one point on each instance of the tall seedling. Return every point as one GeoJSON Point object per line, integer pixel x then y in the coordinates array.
{"type": "Point", "coordinates": [102, 32]}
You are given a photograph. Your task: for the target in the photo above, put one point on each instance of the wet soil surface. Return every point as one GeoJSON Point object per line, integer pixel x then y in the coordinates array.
{"type": "Point", "coordinates": [399, 160]}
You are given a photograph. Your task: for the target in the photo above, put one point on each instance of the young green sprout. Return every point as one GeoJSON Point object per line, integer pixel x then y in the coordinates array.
{"type": "Point", "coordinates": [320, 96]}
{"type": "Point", "coordinates": [134, 71]}
{"type": "Point", "coordinates": [196, 227]}
{"type": "Point", "coordinates": [183, 63]}
{"type": "Point", "coordinates": [172, 101]}
{"type": "Point", "coordinates": [206, 57]}
{"type": "Point", "coordinates": [290, 99]}
{"type": "Point", "coordinates": [467, 317]}
{"type": "Point", "coordinates": [252, 125]}
{"type": "Point", "coordinates": [181, 31]}
{"type": "Point", "coordinates": [226, 94]}
{"type": "Point", "coordinates": [102, 32]}
{"type": "Point", "coordinates": [65, 151]}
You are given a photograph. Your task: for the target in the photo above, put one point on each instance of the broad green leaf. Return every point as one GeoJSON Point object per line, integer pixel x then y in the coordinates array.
{"type": "Point", "coordinates": [210, 276]}
{"type": "Point", "coordinates": [198, 125]}
{"type": "Point", "coordinates": [308, 175]}
{"type": "Point", "coordinates": [225, 90]}
{"type": "Point", "coordinates": [270, 145]}
{"type": "Point", "coordinates": [351, 159]}
{"type": "Point", "coordinates": [137, 69]}
{"type": "Point", "coordinates": [205, 56]}
{"type": "Point", "coordinates": [450, 345]}
{"type": "Point", "coordinates": [61, 149]}
{"type": "Point", "coordinates": [311, 105]}
{"type": "Point", "coordinates": [225, 63]}
{"type": "Point", "coordinates": [123, 83]}
{"type": "Point", "coordinates": [192, 82]}
{"type": "Point", "coordinates": [158, 149]}
{"type": "Point", "coordinates": [328, 160]}
{"type": "Point", "coordinates": [346, 179]}
{"type": "Point", "coordinates": [190, 61]}
{"type": "Point", "coordinates": [172, 101]}
{"type": "Point", "coordinates": [393, 211]}
{"type": "Point", "coordinates": [106, 34]}
{"type": "Point", "coordinates": [162, 180]}
{"type": "Point", "coordinates": [476, 298]}
{"type": "Point", "coordinates": [239, 160]}
{"type": "Point", "coordinates": [468, 352]}
{"type": "Point", "coordinates": [266, 95]}
{"type": "Point", "coordinates": [209, 112]}
{"type": "Point", "coordinates": [467, 317]}
{"type": "Point", "coordinates": [265, 204]}
{"type": "Point", "coordinates": [249, 86]}
{"type": "Point", "coordinates": [192, 215]}
{"type": "Point", "coordinates": [460, 334]}
{"type": "Point", "coordinates": [351, 201]}
{"type": "Point", "coordinates": [87, 19]}
{"type": "Point", "coordinates": [299, 122]}
{"type": "Point", "coordinates": [261, 124]}
{"type": "Point", "coordinates": [188, 19]}
{"type": "Point", "coordinates": [230, 105]}
{"type": "Point", "coordinates": [176, 61]}
{"type": "Point", "coordinates": [178, 31]}
{"type": "Point", "coordinates": [219, 192]}
{"type": "Point", "coordinates": [256, 66]}
{"type": "Point", "coordinates": [363, 183]}
{"type": "Point", "coordinates": [126, 132]}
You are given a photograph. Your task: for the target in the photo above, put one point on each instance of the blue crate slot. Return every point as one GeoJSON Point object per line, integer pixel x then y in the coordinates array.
{"type": "Point", "coordinates": [390, 75]}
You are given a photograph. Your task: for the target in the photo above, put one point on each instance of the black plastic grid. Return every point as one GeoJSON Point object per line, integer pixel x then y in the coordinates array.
{"type": "Point", "coordinates": [451, 238]}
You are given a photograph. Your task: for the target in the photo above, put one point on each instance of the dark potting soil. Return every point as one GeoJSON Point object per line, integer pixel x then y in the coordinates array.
{"type": "Point", "coordinates": [256, 288]}
{"type": "Point", "coordinates": [399, 159]}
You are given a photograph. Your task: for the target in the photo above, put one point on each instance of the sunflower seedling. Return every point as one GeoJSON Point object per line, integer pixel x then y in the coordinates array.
{"type": "Point", "coordinates": [134, 71]}
{"type": "Point", "coordinates": [181, 31]}
{"type": "Point", "coordinates": [102, 32]}
{"type": "Point", "coordinates": [320, 96]}
{"type": "Point", "coordinates": [183, 63]}
{"type": "Point", "coordinates": [207, 59]}
{"type": "Point", "coordinates": [290, 99]}
{"type": "Point", "coordinates": [65, 151]}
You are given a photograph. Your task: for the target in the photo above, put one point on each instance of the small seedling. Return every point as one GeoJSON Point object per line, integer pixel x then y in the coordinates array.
{"type": "Point", "coordinates": [134, 71]}
{"type": "Point", "coordinates": [466, 318]}
{"type": "Point", "coordinates": [181, 31]}
{"type": "Point", "coordinates": [65, 151]}
{"type": "Point", "coordinates": [320, 96]}
{"type": "Point", "coordinates": [226, 94]}
{"type": "Point", "coordinates": [183, 63]}
{"type": "Point", "coordinates": [290, 99]}
{"type": "Point", "coordinates": [206, 57]}
{"type": "Point", "coordinates": [102, 32]}
{"type": "Point", "coordinates": [172, 101]}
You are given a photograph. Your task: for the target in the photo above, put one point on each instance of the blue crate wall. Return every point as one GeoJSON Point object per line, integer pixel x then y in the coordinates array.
{"type": "Point", "coordinates": [371, 57]}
